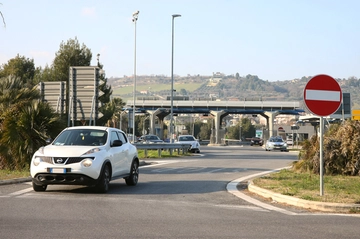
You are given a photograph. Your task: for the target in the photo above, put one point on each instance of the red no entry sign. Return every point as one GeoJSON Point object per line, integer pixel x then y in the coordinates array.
{"type": "Point", "coordinates": [322, 95]}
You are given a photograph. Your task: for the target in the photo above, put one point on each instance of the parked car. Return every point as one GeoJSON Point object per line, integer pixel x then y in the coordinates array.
{"type": "Point", "coordinates": [191, 140]}
{"type": "Point", "coordinates": [256, 141]}
{"type": "Point", "coordinates": [86, 155]}
{"type": "Point", "coordinates": [276, 143]}
{"type": "Point", "coordinates": [132, 138]}
{"type": "Point", "coordinates": [150, 138]}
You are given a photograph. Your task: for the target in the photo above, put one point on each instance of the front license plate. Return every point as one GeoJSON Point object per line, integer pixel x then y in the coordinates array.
{"type": "Point", "coordinates": [57, 170]}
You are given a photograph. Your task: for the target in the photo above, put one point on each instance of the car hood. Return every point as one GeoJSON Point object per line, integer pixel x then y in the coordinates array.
{"type": "Point", "coordinates": [277, 143]}
{"type": "Point", "coordinates": [187, 142]}
{"type": "Point", "coordinates": [66, 151]}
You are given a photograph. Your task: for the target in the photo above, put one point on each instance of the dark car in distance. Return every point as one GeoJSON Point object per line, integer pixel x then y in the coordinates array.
{"type": "Point", "coordinates": [256, 141]}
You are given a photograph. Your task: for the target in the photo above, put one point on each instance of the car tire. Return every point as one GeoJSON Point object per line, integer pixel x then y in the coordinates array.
{"type": "Point", "coordinates": [39, 188]}
{"type": "Point", "coordinates": [103, 184]}
{"type": "Point", "coordinates": [133, 178]}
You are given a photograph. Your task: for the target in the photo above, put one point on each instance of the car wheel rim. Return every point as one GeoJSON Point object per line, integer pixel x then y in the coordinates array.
{"type": "Point", "coordinates": [135, 172]}
{"type": "Point", "coordinates": [106, 178]}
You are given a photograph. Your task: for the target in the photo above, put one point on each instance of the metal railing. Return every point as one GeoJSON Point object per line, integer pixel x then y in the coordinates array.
{"type": "Point", "coordinates": [162, 146]}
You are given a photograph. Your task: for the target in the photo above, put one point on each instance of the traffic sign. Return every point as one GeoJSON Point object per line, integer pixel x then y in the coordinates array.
{"type": "Point", "coordinates": [355, 115]}
{"type": "Point", "coordinates": [322, 95]}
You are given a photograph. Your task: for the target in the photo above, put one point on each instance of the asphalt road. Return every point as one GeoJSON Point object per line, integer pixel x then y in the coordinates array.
{"type": "Point", "coordinates": [175, 198]}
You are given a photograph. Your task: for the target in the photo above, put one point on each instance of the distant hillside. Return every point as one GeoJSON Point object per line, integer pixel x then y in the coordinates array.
{"type": "Point", "coordinates": [223, 87]}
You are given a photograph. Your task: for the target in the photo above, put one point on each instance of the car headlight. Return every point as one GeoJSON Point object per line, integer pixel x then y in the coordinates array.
{"type": "Point", "coordinates": [91, 151]}
{"type": "Point", "coordinates": [87, 163]}
{"type": "Point", "coordinates": [37, 161]}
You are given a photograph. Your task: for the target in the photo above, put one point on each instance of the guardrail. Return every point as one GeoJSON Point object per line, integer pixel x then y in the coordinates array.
{"type": "Point", "coordinates": [161, 146]}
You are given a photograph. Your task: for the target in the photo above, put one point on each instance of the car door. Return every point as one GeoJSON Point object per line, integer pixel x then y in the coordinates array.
{"type": "Point", "coordinates": [127, 160]}
{"type": "Point", "coordinates": [118, 155]}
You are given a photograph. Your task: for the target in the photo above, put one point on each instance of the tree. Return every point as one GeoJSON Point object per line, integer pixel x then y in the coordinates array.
{"type": "Point", "coordinates": [111, 112]}
{"type": "Point", "coordinates": [20, 67]}
{"type": "Point", "coordinates": [44, 74]}
{"type": "Point", "coordinates": [2, 16]}
{"type": "Point", "coordinates": [109, 107]}
{"type": "Point", "coordinates": [25, 123]}
{"type": "Point", "coordinates": [245, 127]}
{"type": "Point", "coordinates": [70, 54]}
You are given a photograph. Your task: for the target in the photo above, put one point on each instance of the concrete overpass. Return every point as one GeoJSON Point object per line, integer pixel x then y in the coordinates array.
{"type": "Point", "coordinates": [219, 109]}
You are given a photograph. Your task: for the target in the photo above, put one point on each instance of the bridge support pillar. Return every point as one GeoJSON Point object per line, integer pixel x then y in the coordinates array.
{"type": "Point", "coordinates": [270, 116]}
{"type": "Point", "coordinates": [160, 113]}
{"type": "Point", "coordinates": [217, 117]}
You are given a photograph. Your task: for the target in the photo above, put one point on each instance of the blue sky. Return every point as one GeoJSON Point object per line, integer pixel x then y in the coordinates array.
{"type": "Point", "coordinates": [273, 39]}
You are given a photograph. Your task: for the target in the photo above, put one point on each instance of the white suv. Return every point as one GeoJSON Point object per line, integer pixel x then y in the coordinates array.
{"type": "Point", "coordinates": [189, 139]}
{"type": "Point", "coordinates": [86, 155]}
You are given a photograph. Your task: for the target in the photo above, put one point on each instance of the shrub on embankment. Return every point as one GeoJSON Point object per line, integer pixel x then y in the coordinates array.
{"type": "Point", "coordinates": [341, 151]}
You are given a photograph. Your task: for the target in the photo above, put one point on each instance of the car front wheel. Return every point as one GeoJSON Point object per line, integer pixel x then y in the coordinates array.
{"type": "Point", "coordinates": [133, 178]}
{"type": "Point", "coordinates": [103, 184]}
{"type": "Point", "coordinates": [39, 188]}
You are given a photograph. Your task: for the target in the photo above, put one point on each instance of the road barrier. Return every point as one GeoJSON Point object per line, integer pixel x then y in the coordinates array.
{"type": "Point", "coordinates": [163, 146]}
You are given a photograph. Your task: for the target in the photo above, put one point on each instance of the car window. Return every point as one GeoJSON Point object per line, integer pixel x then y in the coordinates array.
{"type": "Point", "coordinates": [114, 136]}
{"type": "Point", "coordinates": [85, 137]}
{"type": "Point", "coordinates": [122, 137]}
{"type": "Point", "coordinates": [186, 138]}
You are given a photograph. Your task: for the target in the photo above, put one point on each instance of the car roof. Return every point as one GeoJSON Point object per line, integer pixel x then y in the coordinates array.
{"type": "Point", "coordinates": [91, 127]}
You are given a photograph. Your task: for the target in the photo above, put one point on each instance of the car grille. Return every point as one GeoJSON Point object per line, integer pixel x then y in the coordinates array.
{"type": "Point", "coordinates": [70, 160]}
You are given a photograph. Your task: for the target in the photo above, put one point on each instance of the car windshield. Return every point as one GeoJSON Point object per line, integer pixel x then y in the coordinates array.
{"type": "Point", "coordinates": [276, 140]}
{"type": "Point", "coordinates": [85, 137]}
{"type": "Point", "coordinates": [186, 138]}
{"type": "Point", "coordinates": [152, 137]}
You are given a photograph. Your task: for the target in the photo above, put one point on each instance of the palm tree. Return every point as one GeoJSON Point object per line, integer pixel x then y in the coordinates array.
{"type": "Point", "coordinates": [2, 16]}
{"type": "Point", "coordinates": [25, 123]}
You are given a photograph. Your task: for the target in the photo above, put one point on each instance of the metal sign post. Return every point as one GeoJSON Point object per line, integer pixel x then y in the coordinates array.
{"type": "Point", "coordinates": [322, 97]}
{"type": "Point", "coordinates": [321, 156]}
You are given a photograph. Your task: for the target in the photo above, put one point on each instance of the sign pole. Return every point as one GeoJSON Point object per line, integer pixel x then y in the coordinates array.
{"type": "Point", "coordinates": [321, 156]}
{"type": "Point", "coordinates": [322, 97]}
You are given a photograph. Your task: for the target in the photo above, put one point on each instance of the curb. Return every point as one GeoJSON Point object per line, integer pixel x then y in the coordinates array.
{"type": "Point", "coordinates": [15, 180]}
{"type": "Point", "coordinates": [321, 206]}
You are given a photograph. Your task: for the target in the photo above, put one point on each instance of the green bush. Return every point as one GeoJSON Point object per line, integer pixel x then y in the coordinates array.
{"type": "Point", "coordinates": [341, 154]}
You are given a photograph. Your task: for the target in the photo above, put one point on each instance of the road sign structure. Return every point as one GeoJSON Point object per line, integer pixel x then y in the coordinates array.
{"type": "Point", "coordinates": [322, 95]}
{"type": "Point", "coordinates": [355, 115]}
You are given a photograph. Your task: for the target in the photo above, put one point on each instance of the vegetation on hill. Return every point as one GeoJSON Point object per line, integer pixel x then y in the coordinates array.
{"type": "Point", "coordinates": [249, 87]}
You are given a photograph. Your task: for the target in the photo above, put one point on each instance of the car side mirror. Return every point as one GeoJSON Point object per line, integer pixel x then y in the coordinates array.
{"type": "Point", "coordinates": [117, 143]}
{"type": "Point", "coordinates": [48, 141]}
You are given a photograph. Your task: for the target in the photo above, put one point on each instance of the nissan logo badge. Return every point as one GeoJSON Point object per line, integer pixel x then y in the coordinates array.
{"type": "Point", "coordinates": [60, 160]}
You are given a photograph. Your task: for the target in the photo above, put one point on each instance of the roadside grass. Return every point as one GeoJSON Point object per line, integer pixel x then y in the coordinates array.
{"type": "Point", "coordinates": [12, 174]}
{"type": "Point", "coordinates": [337, 189]}
{"type": "Point", "coordinates": [155, 154]}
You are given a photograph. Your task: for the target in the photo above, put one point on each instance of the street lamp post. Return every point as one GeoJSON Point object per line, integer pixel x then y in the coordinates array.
{"type": "Point", "coordinates": [135, 18]}
{"type": "Point", "coordinates": [172, 81]}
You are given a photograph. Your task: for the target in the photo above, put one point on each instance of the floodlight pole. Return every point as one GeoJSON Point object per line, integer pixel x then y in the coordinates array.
{"type": "Point", "coordinates": [172, 81]}
{"type": "Point", "coordinates": [135, 18]}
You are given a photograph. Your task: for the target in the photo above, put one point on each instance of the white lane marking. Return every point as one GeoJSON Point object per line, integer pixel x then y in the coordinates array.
{"type": "Point", "coordinates": [160, 170]}
{"type": "Point", "coordinates": [324, 95]}
{"type": "Point", "coordinates": [232, 188]}
{"type": "Point", "coordinates": [243, 207]}
{"type": "Point", "coordinates": [17, 193]}
{"type": "Point", "coordinates": [158, 163]}
{"type": "Point", "coordinates": [214, 170]}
